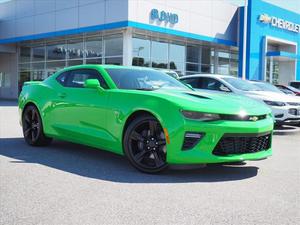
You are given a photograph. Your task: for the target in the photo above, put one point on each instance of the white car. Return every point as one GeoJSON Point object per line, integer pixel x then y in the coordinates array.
{"type": "Point", "coordinates": [171, 73]}
{"type": "Point", "coordinates": [285, 108]}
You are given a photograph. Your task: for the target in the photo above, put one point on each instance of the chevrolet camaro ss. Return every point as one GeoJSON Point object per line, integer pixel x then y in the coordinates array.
{"type": "Point", "coordinates": [146, 115]}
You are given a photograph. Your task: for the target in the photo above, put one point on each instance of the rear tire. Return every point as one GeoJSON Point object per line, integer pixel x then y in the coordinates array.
{"type": "Point", "coordinates": [144, 145]}
{"type": "Point", "coordinates": [33, 128]}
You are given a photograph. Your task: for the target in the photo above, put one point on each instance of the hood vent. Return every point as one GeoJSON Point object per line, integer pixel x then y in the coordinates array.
{"type": "Point", "coordinates": [197, 95]}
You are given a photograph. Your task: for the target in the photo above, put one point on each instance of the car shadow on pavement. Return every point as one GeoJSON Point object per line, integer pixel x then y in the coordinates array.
{"type": "Point", "coordinates": [97, 164]}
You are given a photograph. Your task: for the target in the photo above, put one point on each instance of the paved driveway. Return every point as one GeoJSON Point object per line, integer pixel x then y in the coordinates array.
{"type": "Point", "coordinates": [72, 184]}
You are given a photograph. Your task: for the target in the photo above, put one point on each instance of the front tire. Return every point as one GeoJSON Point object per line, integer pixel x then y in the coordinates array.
{"type": "Point", "coordinates": [144, 145]}
{"type": "Point", "coordinates": [33, 128]}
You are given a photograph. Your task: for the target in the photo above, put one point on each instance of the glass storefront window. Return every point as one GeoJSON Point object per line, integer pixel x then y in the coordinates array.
{"type": "Point", "coordinates": [159, 51]}
{"type": "Point", "coordinates": [113, 45]}
{"type": "Point", "coordinates": [206, 56]}
{"type": "Point", "coordinates": [176, 57]}
{"type": "Point", "coordinates": [178, 66]}
{"type": "Point", "coordinates": [193, 67]}
{"type": "Point", "coordinates": [24, 76]}
{"type": "Point", "coordinates": [40, 61]}
{"type": "Point", "coordinates": [38, 66]}
{"type": "Point", "coordinates": [223, 62]}
{"type": "Point", "coordinates": [54, 66]}
{"type": "Point", "coordinates": [25, 54]}
{"type": "Point", "coordinates": [24, 66]}
{"type": "Point", "coordinates": [177, 53]}
{"type": "Point", "coordinates": [94, 61]}
{"type": "Point", "coordinates": [234, 64]}
{"type": "Point", "coordinates": [159, 54]}
{"type": "Point", "coordinates": [75, 49]}
{"type": "Point", "coordinates": [114, 61]}
{"type": "Point", "coordinates": [75, 62]}
{"type": "Point", "coordinates": [206, 68]}
{"type": "Point", "coordinates": [140, 52]}
{"type": "Point", "coordinates": [56, 52]}
{"type": "Point", "coordinates": [38, 53]}
{"type": "Point", "coordinates": [93, 47]}
{"type": "Point", "coordinates": [38, 71]}
{"type": "Point", "coordinates": [38, 75]}
{"type": "Point", "coordinates": [192, 54]}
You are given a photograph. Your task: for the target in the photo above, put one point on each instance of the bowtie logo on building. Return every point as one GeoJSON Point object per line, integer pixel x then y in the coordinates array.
{"type": "Point", "coordinates": [265, 18]}
{"type": "Point", "coordinates": [279, 23]}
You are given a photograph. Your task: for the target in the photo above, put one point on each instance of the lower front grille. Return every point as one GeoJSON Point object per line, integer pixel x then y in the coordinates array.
{"type": "Point", "coordinates": [240, 144]}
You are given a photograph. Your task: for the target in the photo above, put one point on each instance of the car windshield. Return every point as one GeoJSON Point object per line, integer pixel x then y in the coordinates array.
{"type": "Point", "coordinates": [267, 87]}
{"type": "Point", "coordinates": [295, 84]}
{"type": "Point", "coordinates": [138, 79]}
{"type": "Point", "coordinates": [242, 84]}
{"type": "Point", "coordinates": [293, 89]}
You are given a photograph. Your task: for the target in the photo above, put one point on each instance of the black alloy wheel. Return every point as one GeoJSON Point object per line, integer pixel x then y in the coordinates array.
{"type": "Point", "coordinates": [145, 144]}
{"type": "Point", "coordinates": [33, 128]}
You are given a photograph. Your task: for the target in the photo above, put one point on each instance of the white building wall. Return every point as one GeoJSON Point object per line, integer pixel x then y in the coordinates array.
{"type": "Point", "coordinates": [216, 19]}
{"type": "Point", "coordinates": [29, 17]}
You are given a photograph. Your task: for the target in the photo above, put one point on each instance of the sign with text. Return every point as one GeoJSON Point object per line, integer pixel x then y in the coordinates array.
{"type": "Point", "coordinates": [163, 16]}
{"type": "Point", "coordinates": [279, 23]}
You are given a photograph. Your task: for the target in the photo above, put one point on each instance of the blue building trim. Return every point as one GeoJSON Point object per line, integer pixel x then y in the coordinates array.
{"type": "Point", "coordinates": [249, 12]}
{"type": "Point", "coordinates": [181, 33]}
{"type": "Point", "coordinates": [241, 40]}
{"type": "Point", "coordinates": [120, 24]}
{"type": "Point", "coordinates": [257, 32]}
{"type": "Point", "coordinates": [283, 54]}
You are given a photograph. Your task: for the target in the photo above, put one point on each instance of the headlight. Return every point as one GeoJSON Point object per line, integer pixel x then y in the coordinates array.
{"type": "Point", "coordinates": [200, 116]}
{"type": "Point", "coordinates": [272, 103]}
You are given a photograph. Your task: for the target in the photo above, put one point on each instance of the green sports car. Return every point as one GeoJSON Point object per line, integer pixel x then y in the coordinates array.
{"type": "Point", "coordinates": [144, 114]}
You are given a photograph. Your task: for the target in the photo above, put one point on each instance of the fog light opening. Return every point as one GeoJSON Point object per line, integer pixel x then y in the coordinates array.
{"type": "Point", "coordinates": [191, 139]}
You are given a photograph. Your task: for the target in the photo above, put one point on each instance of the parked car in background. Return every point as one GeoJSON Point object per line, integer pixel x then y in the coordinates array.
{"type": "Point", "coordinates": [288, 89]}
{"type": "Point", "coordinates": [152, 119]}
{"type": "Point", "coordinates": [285, 108]}
{"type": "Point", "coordinates": [265, 86]}
{"type": "Point", "coordinates": [171, 73]}
{"type": "Point", "coordinates": [295, 84]}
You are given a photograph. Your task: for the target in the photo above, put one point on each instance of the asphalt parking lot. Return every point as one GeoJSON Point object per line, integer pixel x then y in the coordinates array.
{"type": "Point", "coordinates": [73, 184]}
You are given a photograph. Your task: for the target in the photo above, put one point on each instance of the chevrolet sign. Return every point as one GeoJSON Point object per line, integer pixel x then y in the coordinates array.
{"type": "Point", "coordinates": [279, 23]}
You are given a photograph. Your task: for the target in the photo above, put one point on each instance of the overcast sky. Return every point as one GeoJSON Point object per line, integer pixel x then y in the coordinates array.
{"type": "Point", "coordinates": [293, 5]}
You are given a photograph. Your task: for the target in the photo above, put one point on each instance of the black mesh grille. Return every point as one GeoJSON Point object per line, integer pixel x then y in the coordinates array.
{"type": "Point", "coordinates": [239, 144]}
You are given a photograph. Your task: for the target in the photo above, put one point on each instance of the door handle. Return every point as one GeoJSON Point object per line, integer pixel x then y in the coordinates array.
{"type": "Point", "coordinates": [62, 95]}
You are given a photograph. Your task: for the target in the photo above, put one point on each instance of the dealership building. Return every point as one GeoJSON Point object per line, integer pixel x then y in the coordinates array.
{"type": "Point", "coordinates": [39, 37]}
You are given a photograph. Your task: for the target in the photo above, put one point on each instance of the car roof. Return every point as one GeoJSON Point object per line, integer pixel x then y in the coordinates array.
{"type": "Point", "coordinates": [107, 66]}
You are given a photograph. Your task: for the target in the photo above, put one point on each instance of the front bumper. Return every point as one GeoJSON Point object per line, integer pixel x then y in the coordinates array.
{"type": "Point", "coordinates": [214, 131]}
{"type": "Point", "coordinates": [286, 114]}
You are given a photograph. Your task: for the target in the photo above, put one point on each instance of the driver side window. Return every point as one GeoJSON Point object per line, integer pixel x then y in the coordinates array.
{"type": "Point", "coordinates": [76, 78]}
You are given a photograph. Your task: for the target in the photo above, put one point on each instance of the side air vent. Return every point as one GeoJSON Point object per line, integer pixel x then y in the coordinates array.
{"type": "Point", "coordinates": [191, 139]}
{"type": "Point", "coordinates": [198, 96]}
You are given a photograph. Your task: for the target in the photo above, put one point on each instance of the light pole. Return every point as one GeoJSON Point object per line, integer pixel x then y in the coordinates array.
{"type": "Point", "coordinates": [245, 40]}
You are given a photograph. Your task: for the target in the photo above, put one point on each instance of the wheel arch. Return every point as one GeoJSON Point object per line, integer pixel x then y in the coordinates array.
{"type": "Point", "coordinates": [27, 104]}
{"type": "Point", "coordinates": [135, 115]}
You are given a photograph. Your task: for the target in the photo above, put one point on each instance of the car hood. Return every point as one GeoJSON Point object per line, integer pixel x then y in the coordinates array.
{"type": "Point", "coordinates": [272, 96]}
{"type": "Point", "coordinates": [227, 103]}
